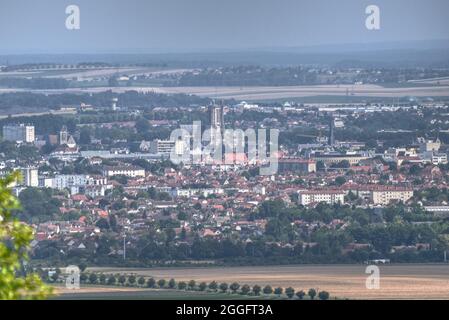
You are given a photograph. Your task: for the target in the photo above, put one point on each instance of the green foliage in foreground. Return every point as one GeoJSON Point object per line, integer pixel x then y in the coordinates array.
{"type": "Point", "coordinates": [15, 238]}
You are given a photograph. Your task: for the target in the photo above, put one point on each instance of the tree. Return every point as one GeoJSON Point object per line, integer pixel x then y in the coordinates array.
{"type": "Point", "coordinates": [192, 284]}
{"type": "Point", "coordinates": [54, 277]}
{"type": "Point", "coordinates": [82, 267]}
{"type": "Point", "coordinates": [172, 284]}
{"type": "Point", "coordinates": [113, 82]}
{"type": "Point", "coordinates": [312, 293]}
{"type": "Point", "coordinates": [340, 180]}
{"type": "Point", "coordinates": [324, 295]}
{"type": "Point", "coordinates": [278, 291]}
{"type": "Point", "coordinates": [182, 285]}
{"type": "Point", "coordinates": [141, 281]}
{"type": "Point", "coordinates": [102, 279]}
{"type": "Point", "coordinates": [122, 280]}
{"type": "Point", "coordinates": [182, 216]}
{"type": "Point", "coordinates": [151, 283]}
{"type": "Point", "coordinates": [15, 238]}
{"type": "Point", "coordinates": [93, 278]}
{"type": "Point", "coordinates": [112, 280]}
{"type": "Point", "coordinates": [245, 289]}
{"type": "Point", "coordinates": [223, 287]}
{"type": "Point", "coordinates": [320, 166]}
{"type": "Point", "coordinates": [132, 280]}
{"type": "Point", "coordinates": [300, 294]}
{"type": "Point", "coordinates": [268, 290]}
{"type": "Point", "coordinates": [256, 290]}
{"type": "Point", "coordinates": [234, 287]}
{"type": "Point", "coordinates": [290, 292]}
{"type": "Point", "coordinates": [142, 125]}
{"type": "Point", "coordinates": [161, 283]}
{"type": "Point", "coordinates": [103, 224]}
{"type": "Point", "coordinates": [213, 286]}
{"type": "Point", "coordinates": [415, 170]}
{"type": "Point", "coordinates": [83, 277]}
{"type": "Point", "coordinates": [202, 286]}
{"type": "Point", "coordinates": [85, 136]}
{"type": "Point", "coordinates": [38, 203]}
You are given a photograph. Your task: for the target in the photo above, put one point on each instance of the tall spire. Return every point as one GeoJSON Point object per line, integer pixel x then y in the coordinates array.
{"type": "Point", "coordinates": [331, 131]}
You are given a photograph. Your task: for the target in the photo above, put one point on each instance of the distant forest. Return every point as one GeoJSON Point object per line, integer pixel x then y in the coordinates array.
{"type": "Point", "coordinates": [103, 99]}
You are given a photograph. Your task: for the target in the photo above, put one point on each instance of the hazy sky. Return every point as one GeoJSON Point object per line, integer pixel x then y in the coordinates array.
{"type": "Point", "coordinates": [38, 26]}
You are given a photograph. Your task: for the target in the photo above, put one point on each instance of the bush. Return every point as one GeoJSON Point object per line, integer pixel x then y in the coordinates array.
{"type": "Point", "coordinates": [102, 279]}
{"type": "Point", "coordinates": [132, 280]}
{"type": "Point", "coordinates": [182, 285]}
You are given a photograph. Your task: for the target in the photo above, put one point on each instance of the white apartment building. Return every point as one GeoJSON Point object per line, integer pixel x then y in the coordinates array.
{"type": "Point", "coordinates": [307, 197]}
{"type": "Point", "coordinates": [30, 177]}
{"type": "Point", "coordinates": [63, 181]}
{"type": "Point", "coordinates": [439, 158]}
{"type": "Point", "coordinates": [128, 171]}
{"type": "Point", "coordinates": [166, 147]}
{"type": "Point", "coordinates": [94, 191]}
{"type": "Point", "coordinates": [429, 145]}
{"type": "Point", "coordinates": [92, 186]}
{"type": "Point", "coordinates": [187, 193]}
{"type": "Point", "coordinates": [46, 182]}
{"type": "Point", "coordinates": [19, 133]}
{"type": "Point", "coordinates": [383, 196]}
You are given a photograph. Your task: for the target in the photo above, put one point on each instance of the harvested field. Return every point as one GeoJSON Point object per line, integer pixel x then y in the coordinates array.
{"type": "Point", "coordinates": [343, 281]}
{"type": "Point", "coordinates": [271, 93]}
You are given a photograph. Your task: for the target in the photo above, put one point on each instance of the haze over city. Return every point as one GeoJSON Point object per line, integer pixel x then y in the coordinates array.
{"type": "Point", "coordinates": [148, 26]}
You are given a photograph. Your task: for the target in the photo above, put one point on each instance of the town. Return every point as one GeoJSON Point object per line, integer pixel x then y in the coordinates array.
{"type": "Point", "coordinates": [354, 183]}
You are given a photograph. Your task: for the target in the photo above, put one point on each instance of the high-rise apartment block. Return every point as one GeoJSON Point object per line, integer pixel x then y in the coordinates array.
{"type": "Point", "coordinates": [19, 133]}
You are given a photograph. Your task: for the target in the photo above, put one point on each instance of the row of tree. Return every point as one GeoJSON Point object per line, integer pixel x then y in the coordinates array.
{"type": "Point", "coordinates": [224, 288]}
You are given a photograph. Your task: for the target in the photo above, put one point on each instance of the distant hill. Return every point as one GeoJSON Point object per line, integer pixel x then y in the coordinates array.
{"type": "Point", "coordinates": [433, 53]}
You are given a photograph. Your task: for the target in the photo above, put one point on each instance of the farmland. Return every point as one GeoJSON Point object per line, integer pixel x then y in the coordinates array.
{"type": "Point", "coordinates": [419, 281]}
{"type": "Point", "coordinates": [268, 93]}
